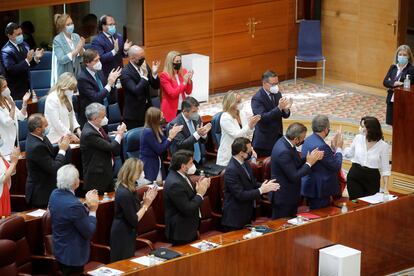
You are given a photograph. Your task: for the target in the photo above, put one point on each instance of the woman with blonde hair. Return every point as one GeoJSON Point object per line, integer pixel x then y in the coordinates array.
{"type": "Point", "coordinates": [9, 117]}
{"type": "Point", "coordinates": [401, 67]}
{"type": "Point", "coordinates": [154, 143]}
{"type": "Point", "coordinates": [59, 110]}
{"type": "Point", "coordinates": [176, 84]}
{"type": "Point", "coordinates": [232, 126]}
{"type": "Point", "coordinates": [67, 48]}
{"type": "Point", "coordinates": [128, 210]}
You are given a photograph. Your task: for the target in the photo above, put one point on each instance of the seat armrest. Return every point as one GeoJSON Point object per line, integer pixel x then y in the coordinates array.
{"type": "Point", "coordinates": [140, 241]}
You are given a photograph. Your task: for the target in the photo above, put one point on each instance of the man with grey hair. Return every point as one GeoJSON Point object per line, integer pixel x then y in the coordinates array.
{"type": "Point", "coordinates": [288, 167]}
{"type": "Point", "coordinates": [322, 182]}
{"type": "Point", "coordinates": [136, 78]}
{"type": "Point", "coordinates": [73, 223]}
{"type": "Point", "coordinates": [98, 150]}
{"type": "Point", "coordinates": [42, 161]}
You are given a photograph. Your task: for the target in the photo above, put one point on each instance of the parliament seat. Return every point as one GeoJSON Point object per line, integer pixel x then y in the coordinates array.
{"type": "Point", "coordinates": [8, 258]}
{"type": "Point", "coordinates": [131, 143]}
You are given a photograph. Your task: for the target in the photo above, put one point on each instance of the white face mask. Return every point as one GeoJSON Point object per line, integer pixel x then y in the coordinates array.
{"type": "Point", "coordinates": [6, 93]}
{"type": "Point", "coordinates": [361, 130]}
{"type": "Point", "coordinates": [274, 89]}
{"type": "Point", "coordinates": [192, 170]}
{"type": "Point", "coordinates": [69, 93]}
{"type": "Point", "coordinates": [97, 66]}
{"type": "Point", "coordinates": [104, 121]}
{"type": "Point", "coordinates": [239, 107]}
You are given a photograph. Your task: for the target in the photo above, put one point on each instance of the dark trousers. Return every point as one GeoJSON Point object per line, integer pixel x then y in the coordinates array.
{"type": "Point", "coordinates": [284, 210]}
{"type": "Point", "coordinates": [317, 203]}
{"type": "Point", "coordinates": [389, 113]}
{"type": "Point", "coordinates": [70, 270]}
{"type": "Point", "coordinates": [133, 124]}
{"type": "Point", "coordinates": [263, 152]}
{"type": "Point", "coordinates": [362, 181]}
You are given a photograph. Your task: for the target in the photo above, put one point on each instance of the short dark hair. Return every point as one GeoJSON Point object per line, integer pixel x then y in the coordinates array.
{"type": "Point", "coordinates": [103, 20]}
{"type": "Point", "coordinates": [179, 158]}
{"type": "Point", "coordinates": [89, 55]}
{"type": "Point", "coordinates": [34, 121]}
{"type": "Point", "coordinates": [11, 27]}
{"type": "Point", "coordinates": [268, 74]}
{"type": "Point", "coordinates": [188, 103]}
{"type": "Point", "coordinates": [373, 126]}
{"type": "Point", "coordinates": [320, 123]}
{"type": "Point", "coordinates": [295, 130]}
{"type": "Point", "coordinates": [239, 144]}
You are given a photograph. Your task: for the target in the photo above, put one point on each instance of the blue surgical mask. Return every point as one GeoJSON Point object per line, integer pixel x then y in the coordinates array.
{"type": "Point", "coordinates": [19, 39]}
{"type": "Point", "coordinates": [112, 29]}
{"type": "Point", "coordinates": [402, 60]}
{"type": "Point", "coordinates": [70, 28]}
{"type": "Point", "coordinates": [46, 131]}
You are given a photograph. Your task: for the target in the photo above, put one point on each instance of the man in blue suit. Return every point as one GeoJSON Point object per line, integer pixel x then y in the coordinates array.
{"type": "Point", "coordinates": [269, 103]}
{"type": "Point", "coordinates": [73, 223]}
{"type": "Point", "coordinates": [288, 167]}
{"type": "Point", "coordinates": [240, 187]}
{"type": "Point", "coordinates": [322, 182]}
{"type": "Point", "coordinates": [17, 59]}
{"type": "Point", "coordinates": [110, 45]}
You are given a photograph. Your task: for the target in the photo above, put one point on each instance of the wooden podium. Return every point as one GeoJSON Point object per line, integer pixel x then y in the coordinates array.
{"type": "Point", "coordinates": [403, 131]}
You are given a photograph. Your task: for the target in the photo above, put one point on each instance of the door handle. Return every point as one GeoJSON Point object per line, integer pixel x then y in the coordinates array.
{"type": "Point", "coordinates": [249, 26]}
{"type": "Point", "coordinates": [394, 25]}
{"type": "Point", "coordinates": [254, 23]}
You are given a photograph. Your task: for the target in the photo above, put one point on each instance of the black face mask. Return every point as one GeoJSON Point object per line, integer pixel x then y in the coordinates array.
{"type": "Point", "coordinates": [140, 62]}
{"type": "Point", "coordinates": [249, 156]}
{"type": "Point", "coordinates": [300, 143]}
{"type": "Point", "coordinates": [177, 66]}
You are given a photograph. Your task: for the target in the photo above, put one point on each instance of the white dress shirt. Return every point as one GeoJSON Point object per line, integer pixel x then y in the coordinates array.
{"type": "Point", "coordinates": [9, 129]}
{"type": "Point", "coordinates": [107, 86]}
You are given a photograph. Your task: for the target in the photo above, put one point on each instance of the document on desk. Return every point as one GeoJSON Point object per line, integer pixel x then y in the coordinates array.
{"type": "Point", "coordinates": [145, 260]}
{"type": "Point", "coordinates": [205, 245]}
{"type": "Point", "coordinates": [377, 198]}
{"type": "Point", "coordinates": [105, 271]}
{"type": "Point", "coordinates": [37, 213]}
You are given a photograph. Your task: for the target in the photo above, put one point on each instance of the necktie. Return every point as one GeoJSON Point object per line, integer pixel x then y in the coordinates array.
{"type": "Point", "coordinates": [100, 85]}
{"type": "Point", "coordinates": [245, 169]}
{"type": "Point", "coordinates": [197, 152]}
{"type": "Point", "coordinates": [272, 97]}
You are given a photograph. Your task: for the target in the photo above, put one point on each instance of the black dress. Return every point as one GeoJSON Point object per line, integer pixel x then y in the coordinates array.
{"type": "Point", "coordinates": [123, 230]}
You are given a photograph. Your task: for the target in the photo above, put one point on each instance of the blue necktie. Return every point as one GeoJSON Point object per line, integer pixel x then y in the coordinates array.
{"type": "Point", "coordinates": [98, 81]}
{"type": "Point", "coordinates": [197, 153]}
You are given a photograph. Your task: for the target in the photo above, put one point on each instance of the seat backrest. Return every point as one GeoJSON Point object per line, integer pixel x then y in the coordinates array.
{"type": "Point", "coordinates": [14, 228]}
{"type": "Point", "coordinates": [22, 134]}
{"type": "Point", "coordinates": [41, 105]}
{"type": "Point", "coordinates": [114, 116]}
{"type": "Point", "coordinates": [156, 102]}
{"type": "Point", "coordinates": [47, 233]}
{"type": "Point", "coordinates": [40, 81]}
{"type": "Point", "coordinates": [131, 143]}
{"type": "Point", "coordinates": [45, 62]}
{"type": "Point", "coordinates": [266, 171]}
{"type": "Point", "coordinates": [309, 38]}
{"type": "Point", "coordinates": [7, 258]}
{"type": "Point", "coordinates": [216, 129]}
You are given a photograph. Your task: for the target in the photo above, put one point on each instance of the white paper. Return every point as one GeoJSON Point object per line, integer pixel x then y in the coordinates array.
{"type": "Point", "coordinates": [294, 221]}
{"type": "Point", "coordinates": [249, 235]}
{"type": "Point", "coordinates": [37, 213]}
{"type": "Point", "coordinates": [145, 260]}
{"type": "Point", "coordinates": [105, 271]}
{"type": "Point", "coordinates": [208, 245]}
{"type": "Point", "coordinates": [377, 198]}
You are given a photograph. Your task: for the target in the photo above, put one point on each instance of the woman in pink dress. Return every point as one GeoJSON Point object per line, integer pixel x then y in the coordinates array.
{"type": "Point", "coordinates": [6, 171]}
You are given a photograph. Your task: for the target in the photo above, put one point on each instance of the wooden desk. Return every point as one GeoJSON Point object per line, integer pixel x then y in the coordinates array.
{"type": "Point", "coordinates": [382, 232]}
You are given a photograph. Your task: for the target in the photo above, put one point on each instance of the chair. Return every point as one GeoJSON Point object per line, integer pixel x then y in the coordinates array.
{"type": "Point", "coordinates": [8, 257]}
{"type": "Point", "coordinates": [216, 129]}
{"type": "Point", "coordinates": [40, 75]}
{"type": "Point", "coordinates": [131, 143]}
{"type": "Point", "coordinates": [310, 46]}
{"type": "Point", "coordinates": [41, 105]}
{"type": "Point", "coordinates": [114, 117]}
{"type": "Point", "coordinates": [22, 135]}
{"type": "Point", "coordinates": [45, 62]}
{"type": "Point", "coordinates": [87, 46]}
{"type": "Point", "coordinates": [18, 103]}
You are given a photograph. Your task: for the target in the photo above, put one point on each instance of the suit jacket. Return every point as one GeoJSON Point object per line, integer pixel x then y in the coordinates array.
{"type": "Point", "coordinates": [96, 153]}
{"type": "Point", "coordinates": [287, 168]}
{"type": "Point", "coordinates": [89, 92]}
{"type": "Point", "coordinates": [61, 49]}
{"type": "Point", "coordinates": [151, 153]}
{"type": "Point", "coordinates": [185, 139]}
{"type": "Point", "coordinates": [17, 69]}
{"type": "Point", "coordinates": [42, 161]}
{"type": "Point", "coordinates": [104, 46]}
{"type": "Point", "coordinates": [392, 74]}
{"type": "Point", "coordinates": [137, 92]}
{"type": "Point", "coordinates": [72, 228]}
{"type": "Point", "coordinates": [270, 128]}
{"type": "Point", "coordinates": [240, 192]}
{"type": "Point", "coordinates": [323, 179]}
{"type": "Point", "coordinates": [182, 208]}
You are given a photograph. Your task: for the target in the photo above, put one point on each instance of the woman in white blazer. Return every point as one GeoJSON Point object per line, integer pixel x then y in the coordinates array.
{"type": "Point", "coordinates": [9, 116]}
{"type": "Point", "coordinates": [59, 110]}
{"type": "Point", "coordinates": [231, 126]}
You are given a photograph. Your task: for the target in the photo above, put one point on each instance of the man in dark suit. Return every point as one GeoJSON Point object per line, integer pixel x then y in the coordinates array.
{"type": "Point", "coordinates": [42, 161]}
{"type": "Point", "coordinates": [17, 59]}
{"type": "Point", "coordinates": [288, 168]}
{"type": "Point", "coordinates": [322, 182]}
{"type": "Point", "coordinates": [73, 223]}
{"type": "Point", "coordinates": [193, 136]}
{"type": "Point", "coordinates": [98, 150]}
{"type": "Point", "coordinates": [269, 103]}
{"type": "Point", "coordinates": [110, 45]}
{"type": "Point", "coordinates": [240, 187]}
{"type": "Point", "coordinates": [136, 79]}
{"type": "Point", "coordinates": [93, 86]}
{"type": "Point", "coordinates": [182, 201]}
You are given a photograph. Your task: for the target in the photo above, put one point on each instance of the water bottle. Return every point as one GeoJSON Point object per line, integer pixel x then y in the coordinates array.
{"type": "Point", "coordinates": [299, 220]}
{"type": "Point", "coordinates": [203, 246]}
{"type": "Point", "coordinates": [155, 183]}
{"type": "Point", "coordinates": [344, 208]}
{"type": "Point", "coordinates": [253, 160]}
{"type": "Point", "coordinates": [105, 197]}
{"type": "Point", "coordinates": [34, 97]}
{"type": "Point", "coordinates": [202, 174]}
{"type": "Point", "coordinates": [407, 82]}
{"type": "Point", "coordinates": [118, 84]}
{"type": "Point", "coordinates": [385, 196]}
{"type": "Point", "coordinates": [253, 233]}
{"type": "Point", "coordinates": [151, 260]}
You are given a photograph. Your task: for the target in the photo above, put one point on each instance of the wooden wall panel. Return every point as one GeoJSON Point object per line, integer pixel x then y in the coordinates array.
{"type": "Point", "coordinates": [231, 46]}
{"type": "Point", "coordinates": [167, 8]}
{"type": "Point", "coordinates": [225, 4]}
{"type": "Point", "coordinates": [233, 72]}
{"type": "Point", "coordinates": [276, 61]}
{"type": "Point", "coordinates": [271, 14]}
{"type": "Point", "coordinates": [265, 43]}
{"type": "Point", "coordinates": [231, 20]}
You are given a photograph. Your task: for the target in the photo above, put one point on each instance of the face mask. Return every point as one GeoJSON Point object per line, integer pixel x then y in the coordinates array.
{"type": "Point", "coordinates": [98, 66]}
{"type": "Point", "coordinates": [192, 169]}
{"type": "Point", "coordinates": [274, 89]}
{"type": "Point", "coordinates": [177, 66]}
{"type": "Point", "coordinates": [1, 142]}
{"type": "Point", "coordinates": [402, 60]}
{"type": "Point", "coordinates": [239, 107]}
{"type": "Point", "coordinates": [104, 121]}
{"type": "Point", "coordinates": [194, 116]}
{"type": "Point", "coordinates": [19, 39]}
{"type": "Point", "coordinates": [69, 29]}
{"type": "Point", "coordinates": [140, 62]}
{"type": "Point", "coordinates": [327, 134]}
{"type": "Point", "coordinates": [361, 130]}
{"type": "Point", "coordinates": [46, 131]}
{"type": "Point", "coordinates": [112, 29]}
{"type": "Point", "coordinates": [6, 93]}
{"type": "Point", "coordinates": [141, 180]}
{"type": "Point", "coordinates": [249, 156]}
{"type": "Point", "coordinates": [300, 143]}
{"type": "Point", "coordinates": [69, 93]}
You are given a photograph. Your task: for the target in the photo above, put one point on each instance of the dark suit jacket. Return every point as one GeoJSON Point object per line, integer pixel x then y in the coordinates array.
{"type": "Point", "coordinates": [185, 139]}
{"type": "Point", "coordinates": [270, 128]}
{"type": "Point", "coordinates": [42, 162]}
{"type": "Point", "coordinates": [392, 74]}
{"type": "Point", "coordinates": [96, 156]}
{"type": "Point", "coordinates": [137, 92]}
{"type": "Point", "coordinates": [240, 192]}
{"type": "Point", "coordinates": [287, 168]}
{"type": "Point", "coordinates": [72, 228]}
{"type": "Point", "coordinates": [322, 182]}
{"type": "Point", "coordinates": [182, 206]}
{"type": "Point", "coordinates": [89, 92]}
{"type": "Point", "coordinates": [17, 69]}
{"type": "Point", "coordinates": [104, 47]}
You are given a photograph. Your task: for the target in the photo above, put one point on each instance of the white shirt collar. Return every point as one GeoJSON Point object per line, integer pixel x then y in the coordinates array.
{"type": "Point", "coordinates": [15, 45]}
{"type": "Point", "coordinates": [240, 162]}
{"type": "Point", "coordinates": [97, 129]}
{"type": "Point", "coordinates": [40, 137]}
{"type": "Point", "coordinates": [293, 146]}
{"type": "Point", "coordinates": [91, 72]}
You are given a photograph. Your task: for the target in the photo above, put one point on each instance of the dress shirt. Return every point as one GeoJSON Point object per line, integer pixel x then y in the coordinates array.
{"type": "Point", "coordinates": [117, 137]}
{"type": "Point", "coordinates": [93, 73]}
{"type": "Point", "coordinates": [195, 134]}
{"type": "Point", "coordinates": [112, 40]}
{"type": "Point", "coordinates": [242, 164]}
